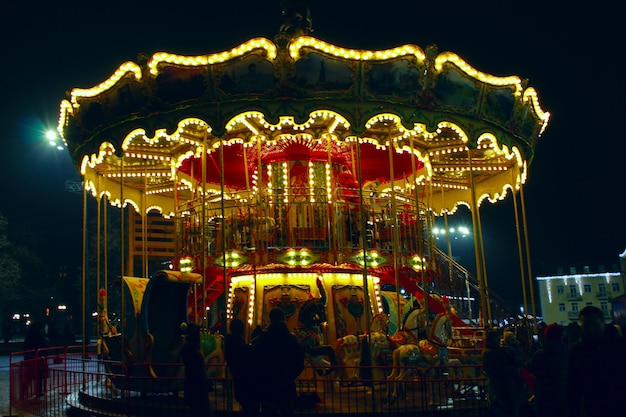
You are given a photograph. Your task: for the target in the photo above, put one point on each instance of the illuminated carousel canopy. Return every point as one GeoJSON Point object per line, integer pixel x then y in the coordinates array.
{"type": "Point", "coordinates": [450, 127]}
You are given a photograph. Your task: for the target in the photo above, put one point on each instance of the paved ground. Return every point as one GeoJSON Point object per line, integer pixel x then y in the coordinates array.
{"type": "Point", "coordinates": [4, 387]}
{"type": "Point", "coordinates": [5, 362]}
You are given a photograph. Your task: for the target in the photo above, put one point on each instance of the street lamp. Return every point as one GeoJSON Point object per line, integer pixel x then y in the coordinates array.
{"type": "Point", "coordinates": [454, 232]}
{"type": "Point", "coordinates": [54, 140]}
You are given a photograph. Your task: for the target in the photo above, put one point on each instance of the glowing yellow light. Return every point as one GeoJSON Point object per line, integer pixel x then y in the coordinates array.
{"type": "Point", "coordinates": [445, 57]}
{"type": "Point", "coordinates": [125, 68]}
{"type": "Point", "coordinates": [304, 42]}
{"type": "Point", "coordinates": [264, 44]}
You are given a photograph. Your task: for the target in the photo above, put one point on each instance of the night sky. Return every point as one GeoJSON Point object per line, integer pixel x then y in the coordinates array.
{"type": "Point", "coordinates": [574, 195]}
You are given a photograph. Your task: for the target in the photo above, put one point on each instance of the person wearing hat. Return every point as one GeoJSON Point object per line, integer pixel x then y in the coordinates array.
{"type": "Point", "coordinates": [549, 366]}
{"type": "Point", "coordinates": [281, 361]}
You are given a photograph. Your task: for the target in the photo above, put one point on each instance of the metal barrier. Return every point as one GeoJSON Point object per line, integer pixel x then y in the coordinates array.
{"type": "Point", "coordinates": [40, 380]}
{"type": "Point", "coordinates": [49, 384]}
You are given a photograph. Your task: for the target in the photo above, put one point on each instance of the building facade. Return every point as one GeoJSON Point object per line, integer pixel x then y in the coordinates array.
{"type": "Point", "coordinates": [563, 296]}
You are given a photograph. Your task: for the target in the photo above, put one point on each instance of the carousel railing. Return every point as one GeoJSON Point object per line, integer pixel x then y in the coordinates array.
{"type": "Point", "coordinates": [80, 382]}
{"type": "Point", "coordinates": [454, 278]}
{"type": "Point", "coordinates": [287, 218]}
{"type": "Point", "coordinates": [40, 380]}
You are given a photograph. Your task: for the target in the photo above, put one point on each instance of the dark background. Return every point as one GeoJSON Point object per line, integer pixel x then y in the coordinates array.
{"type": "Point", "coordinates": [570, 54]}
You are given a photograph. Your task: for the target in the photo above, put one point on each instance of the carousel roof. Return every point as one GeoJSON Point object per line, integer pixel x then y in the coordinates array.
{"type": "Point", "coordinates": [449, 125]}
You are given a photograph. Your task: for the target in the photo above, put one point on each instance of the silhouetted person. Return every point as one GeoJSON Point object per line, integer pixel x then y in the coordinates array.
{"type": "Point", "coordinates": [549, 365]}
{"type": "Point", "coordinates": [504, 399]}
{"type": "Point", "coordinates": [513, 348]}
{"type": "Point", "coordinates": [281, 360]}
{"type": "Point", "coordinates": [241, 363]}
{"type": "Point", "coordinates": [68, 335]}
{"type": "Point", "coordinates": [596, 368]}
{"type": "Point", "coordinates": [256, 333]}
{"type": "Point", "coordinates": [53, 334]}
{"type": "Point", "coordinates": [572, 334]}
{"type": "Point", "coordinates": [541, 332]}
{"type": "Point", "coordinates": [7, 331]}
{"type": "Point", "coordinates": [220, 325]}
{"type": "Point", "coordinates": [515, 351]}
{"type": "Point", "coordinates": [195, 385]}
{"type": "Point", "coordinates": [35, 364]}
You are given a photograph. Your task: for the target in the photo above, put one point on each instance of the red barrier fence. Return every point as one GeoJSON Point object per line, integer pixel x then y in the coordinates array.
{"type": "Point", "coordinates": [48, 383]}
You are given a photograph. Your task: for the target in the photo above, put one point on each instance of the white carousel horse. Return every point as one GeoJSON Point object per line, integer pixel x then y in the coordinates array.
{"type": "Point", "coordinates": [350, 348]}
{"type": "Point", "coordinates": [421, 357]}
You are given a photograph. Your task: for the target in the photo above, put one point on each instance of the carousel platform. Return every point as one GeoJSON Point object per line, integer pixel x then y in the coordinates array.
{"type": "Point", "coordinates": [99, 399]}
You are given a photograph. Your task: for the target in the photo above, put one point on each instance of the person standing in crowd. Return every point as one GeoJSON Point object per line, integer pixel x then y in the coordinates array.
{"type": "Point", "coordinates": [34, 362]}
{"type": "Point", "coordinates": [596, 368]}
{"type": "Point", "coordinates": [541, 332]}
{"type": "Point", "coordinates": [256, 333]}
{"type": "Point", "coordinates": [242, 363]}
{"type": "Point", "coordinates": [572, 334]}
{"type": "Point", "coordinates": [549, 366]}
{"type": "Point", "coordinates": [195, 384]}
{"type": "Point", "coordinates": [281, 360]}
{"type": "Point", "coordinates": [513, 348]}
{"type": "Point", "coordinates": [35, 338]}
{"type": "Point", "coordinates": [503, 377]}
{"type": "Point", "coordinates": [7, 331]}
{"type": "Point", "coordinates": [515, 351]}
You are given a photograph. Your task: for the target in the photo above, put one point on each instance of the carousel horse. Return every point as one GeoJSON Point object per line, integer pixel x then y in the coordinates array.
{"type": "Point", "coordinates": [349, 348]}
{"type": "Point", "coordinates": [423, 357]}
{"type": "Point", "coordinates": [212, 345]}
{"type": "Point", "coordinates": [312, 317]}
{"type": "Point", "coordinates": [356, 351]}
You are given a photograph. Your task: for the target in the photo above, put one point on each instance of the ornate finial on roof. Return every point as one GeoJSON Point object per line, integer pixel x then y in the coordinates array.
{"type": "Point", "coordinates": [296, 18]}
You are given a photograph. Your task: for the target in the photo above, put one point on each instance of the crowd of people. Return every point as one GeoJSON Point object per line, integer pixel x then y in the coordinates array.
{"type": "Point", "coordinates": [264, 371]}
{"type": "Point", "coordinates": [577, 370]}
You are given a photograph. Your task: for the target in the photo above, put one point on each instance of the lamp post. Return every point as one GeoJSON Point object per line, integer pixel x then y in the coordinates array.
{"type": "Point", "coordinates": [455, 233]}
{"type": "Point", "coordinates": [54, 140]}
{"type": "Point", "coordinates": [451, 233]}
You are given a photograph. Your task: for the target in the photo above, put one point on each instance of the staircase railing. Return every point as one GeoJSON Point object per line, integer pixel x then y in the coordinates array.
{"type": "Point", "coordinates": [458, 283]}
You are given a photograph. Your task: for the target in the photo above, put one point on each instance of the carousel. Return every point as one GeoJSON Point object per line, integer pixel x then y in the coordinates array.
{"type": "Point", "coordinates": [296, 174]}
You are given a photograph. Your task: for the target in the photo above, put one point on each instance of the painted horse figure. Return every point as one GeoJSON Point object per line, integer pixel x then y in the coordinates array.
{"type": "Point", "coordinates": [312, 317]}
{"type": "Point", "coordinates": [349, 348]}
{"type": "Point", "coordinates": [421, 356]}
{"type": "Point", "coordinates": [212, 345]}
{"type": "Point", "coordinates": [357, 351]}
